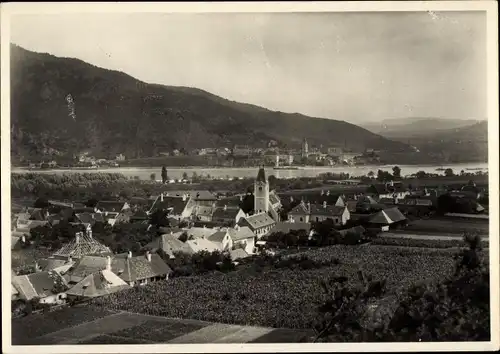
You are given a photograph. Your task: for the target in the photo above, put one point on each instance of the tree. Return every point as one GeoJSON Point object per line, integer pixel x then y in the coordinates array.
{"type": "Point", "coordinates": [247, 205]}
{"type": "Point", "coordinates": [91, 203]}
{"type": "Point", "coordinates": [183, 237]}
{"type": "Point", "coordinates": [194, 177]}
{"type": "Point", "coordinates": [185, 175]}
{"type": "Point", "coordinates": [41, 203]}
{"type": "Point", "coordinates": [449, 172]}
{"type": "Point", "coordinates": [421, 174]}
{"type": "Point", "coordinates": [153, 177]}
{"type": "Point", "coordinates": [371, 174]}
{"type": "Point", "coordinates": [159, 218]}
{"type": "Point", "coordinates": [396, 172]}
{"type": "Point", "coordinates": [164, 175]}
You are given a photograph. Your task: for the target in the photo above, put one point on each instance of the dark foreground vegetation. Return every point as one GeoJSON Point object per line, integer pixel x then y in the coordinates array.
{"type": "Point", "coordinates": [421, 294]}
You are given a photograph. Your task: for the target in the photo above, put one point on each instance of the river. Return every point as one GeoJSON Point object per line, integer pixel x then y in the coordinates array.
{"type": "Point", "coordinates": [250, 172]}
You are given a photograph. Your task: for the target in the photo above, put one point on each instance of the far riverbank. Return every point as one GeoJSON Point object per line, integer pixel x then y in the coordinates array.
{"type": "Point", "coordinates": [249, 172]}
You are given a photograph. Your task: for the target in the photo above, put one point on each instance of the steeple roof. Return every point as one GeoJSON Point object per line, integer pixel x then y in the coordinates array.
{"type": "Point", "coordinates": [261, 175]}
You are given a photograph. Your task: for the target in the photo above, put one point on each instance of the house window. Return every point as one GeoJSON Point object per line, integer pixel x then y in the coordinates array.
{"type": "Point", "coordinates": [317, 219]}
{"type": "Point", "coordinates": [260, 189]}
{"type": "Point", "coordinates": [301, 219]}
{"type": "Point", "coordinates": [336, 220]}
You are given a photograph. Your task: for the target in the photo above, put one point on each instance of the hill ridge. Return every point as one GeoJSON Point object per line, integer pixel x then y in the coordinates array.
{"type": "Point", "coordinates": [117, 113]}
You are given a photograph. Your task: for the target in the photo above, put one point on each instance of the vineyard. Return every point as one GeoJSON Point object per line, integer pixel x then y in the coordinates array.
{"type": "Point", "coordinates": [262, 295]}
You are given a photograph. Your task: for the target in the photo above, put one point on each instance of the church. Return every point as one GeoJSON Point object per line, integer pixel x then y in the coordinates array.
{"type": "Point", "coordinates": [265, 201]}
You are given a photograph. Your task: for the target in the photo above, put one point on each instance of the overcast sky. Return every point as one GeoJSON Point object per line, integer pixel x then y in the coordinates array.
{"type": "Point", "coordinates": [355, 67]}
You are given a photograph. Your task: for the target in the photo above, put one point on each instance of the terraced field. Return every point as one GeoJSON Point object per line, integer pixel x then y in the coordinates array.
{"type": "Point", "coordinates": [82, 325]}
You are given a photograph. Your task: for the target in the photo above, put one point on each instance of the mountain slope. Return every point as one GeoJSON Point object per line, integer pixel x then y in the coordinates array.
{"type": "Point", "coordinates": [464, 144]}
{"type": "Point", "coordinates": [415, 127]}
{"type": "Point", "coordinates": [116, 113]}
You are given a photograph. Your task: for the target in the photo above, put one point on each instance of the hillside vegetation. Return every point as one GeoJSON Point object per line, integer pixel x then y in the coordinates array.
{"type": "Point", "coordinates": [116, 113]}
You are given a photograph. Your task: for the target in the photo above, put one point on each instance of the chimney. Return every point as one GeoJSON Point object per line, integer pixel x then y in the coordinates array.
{"type": "Point", "coordinates": [148, 256]}
{"type": "Point", "coordinates": [108, 263]}
{"type": "Point", "coordinates": [161, 197]}
{"type": "Point", "coordinates": [241, 198]}
{"type": "Point", "coordinates": [225, 207]}
{"type": "Point", "coordinates": [23, 239]}
{"type": "Point", "coordinates": [77, 237]}
{"type": "Point", "coordinates": [324, 204]}
{"type": "Point", "coordinates": [70, 259]}
{"type": "Point", "coordinates": [129, 254]}
{"type": "Point", "coordinates": [184, 197]}
{"type": "Point", "coordinates": [89, 232]}
{"type": "Point", "coordinates": [37, 268]}
{"type": "Point", "coordinates": [328, 192]}
{"type": "Point", "coordinates": [322, 192]}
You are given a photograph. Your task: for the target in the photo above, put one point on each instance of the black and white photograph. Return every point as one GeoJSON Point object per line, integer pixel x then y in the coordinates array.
{"type": "Point", "coordinates": [270, 175]}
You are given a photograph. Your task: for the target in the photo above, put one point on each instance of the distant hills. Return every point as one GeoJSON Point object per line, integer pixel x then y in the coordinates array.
{"type": "Point", "coordinates": [416, 127]}
{"type": "Point", "coordinates": [116, 113]}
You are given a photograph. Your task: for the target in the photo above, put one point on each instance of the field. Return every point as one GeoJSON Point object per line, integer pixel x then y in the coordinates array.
{"type": "Point", "coordinates": [82, 325]}
{"type": "Point", "coordinates": [280, 298]}
{"type": "Point", "coordinates": [448, 226]}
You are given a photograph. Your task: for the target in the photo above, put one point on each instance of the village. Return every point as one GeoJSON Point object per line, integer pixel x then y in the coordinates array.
{"type": "Point", "coordinates": [198, 222]}
{"type": "Point", "coordinates": [270, 155]}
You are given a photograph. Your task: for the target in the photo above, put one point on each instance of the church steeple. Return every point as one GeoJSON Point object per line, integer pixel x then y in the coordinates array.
{"type": "Point", "coordinates": [261, 175]}
{"type": "Point", "coordinates": [261, 192]}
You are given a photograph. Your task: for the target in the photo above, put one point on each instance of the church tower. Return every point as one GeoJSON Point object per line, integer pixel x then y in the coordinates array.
{"type": "Point", "coordinates": [261, 192]}
{"type": "Point", "coordinates": [305, 148]}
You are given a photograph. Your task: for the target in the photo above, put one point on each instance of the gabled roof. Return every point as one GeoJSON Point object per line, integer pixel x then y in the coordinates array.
{"type": "Point", "coordinates": [138, 268]}
{"type": "Point", "coordinates": [86, 218]}
{"type": "Point", "coordinates": [81, 246]}
{"type": "Point", "coordinates": [273, 198]}
{"type": "Point", "coordinates": [200, 232]}
{"type": "Point", "coordinates": [110, 206]}
{"type": "Point", "coordinates": [128, 269]}
{"type": "Point", "coordinates": [286, 227]}
{"type": "Point", "coordinates": [366, 199]}
{"type": "Point", "coordinates": [202, 244]}
{"type": "Point", "coordinates": [257, 221]}
{"type": "Point", "coordinates": [300, 209]}
{"type": "Point", "coordinates": [387, 217]}
{"type": "Point", "coordinates": [100, 283]}
{"type": "Point", "coordinates": [169, 243]}
{"type": "Point", "coordinates": [355, 229]}
{"type": "Point", "coordinates": [54, 264]}
{"type": "Point", "coordinates": [227, 214]}
{"type": "Point", "coordinates": [230, 203]}
{"type": "Point", "coordinates": [241, 233]}
{"type": "Point", "coordinates": [31, 224]}
{"type": "Point", "coordinates": [328, 210]}
{"type": "Point", "coordinates": [238, 253]}
{"type": "Point", "coordinates": [317, 209]}
{"type": "Point", "coordinates": [38, 284]}
{"type": "Point", "coordinates": [218, 236]}
{"type": "Point", "coordinates": [175, 204]}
